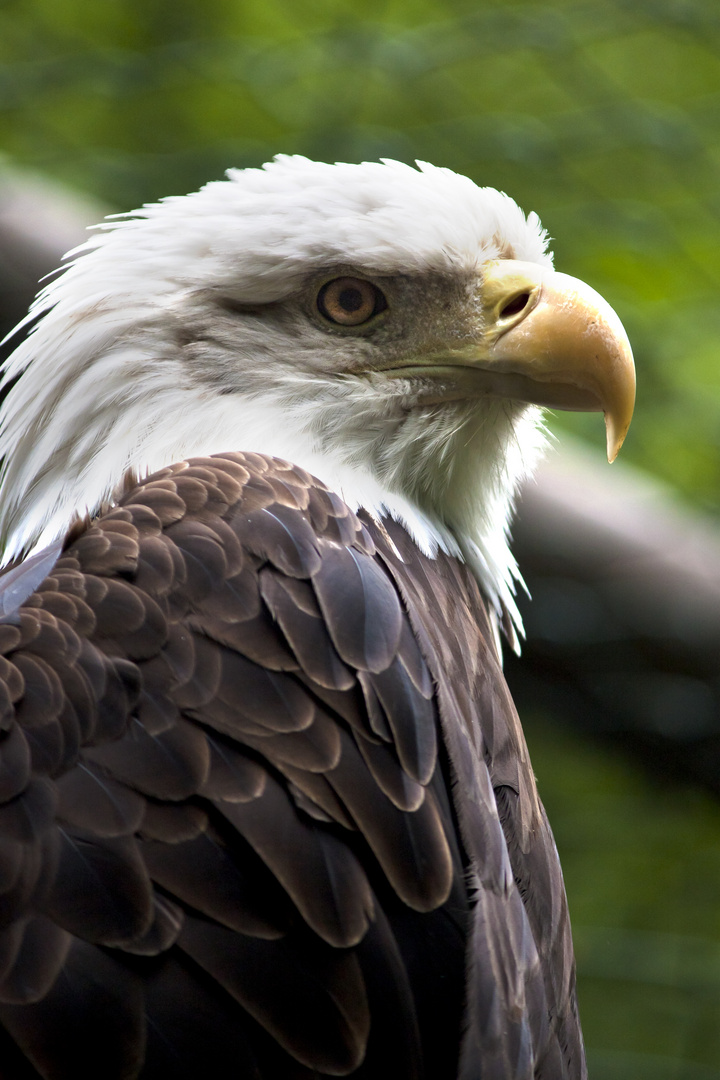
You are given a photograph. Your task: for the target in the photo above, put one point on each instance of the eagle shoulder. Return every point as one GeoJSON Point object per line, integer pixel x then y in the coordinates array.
{"type": "Point", "coordinates": [264, 796]}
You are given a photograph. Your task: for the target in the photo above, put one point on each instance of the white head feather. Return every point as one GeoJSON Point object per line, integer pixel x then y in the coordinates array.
{"type": "Point", "coordinates": [134, 363]}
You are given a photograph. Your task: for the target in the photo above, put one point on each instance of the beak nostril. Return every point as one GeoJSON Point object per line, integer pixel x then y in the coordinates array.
{"type": "Point", "coordinates": [516, 305]}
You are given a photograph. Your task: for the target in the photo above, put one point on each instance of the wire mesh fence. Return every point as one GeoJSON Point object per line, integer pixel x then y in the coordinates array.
{"type": "Point", "coordinates": [604, 117]}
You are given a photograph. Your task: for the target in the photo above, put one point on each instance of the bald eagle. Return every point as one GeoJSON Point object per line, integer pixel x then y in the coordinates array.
{"type": "Point", "coordinates": [266, 808]}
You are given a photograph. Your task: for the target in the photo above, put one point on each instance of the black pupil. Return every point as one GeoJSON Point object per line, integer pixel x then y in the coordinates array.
{"type": "Point", "coordinates": [351, 300]}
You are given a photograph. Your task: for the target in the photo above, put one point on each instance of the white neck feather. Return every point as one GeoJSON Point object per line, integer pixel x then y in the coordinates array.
{"type": "Point", "coordinates": [437, 471]}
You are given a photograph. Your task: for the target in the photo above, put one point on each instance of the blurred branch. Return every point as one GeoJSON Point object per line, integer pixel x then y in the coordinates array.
{"type": "Point", "coordinates": [623, 631]}
{"type": "Point", "coordinates": [39, 223]}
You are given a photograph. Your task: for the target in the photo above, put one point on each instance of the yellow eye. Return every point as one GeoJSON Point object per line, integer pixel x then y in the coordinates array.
{"type": "Point", "coordinates": [350, 301]}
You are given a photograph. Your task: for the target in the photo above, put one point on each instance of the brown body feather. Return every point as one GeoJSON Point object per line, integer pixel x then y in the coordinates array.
{"type": "Point", "coordinates": [267, 810]}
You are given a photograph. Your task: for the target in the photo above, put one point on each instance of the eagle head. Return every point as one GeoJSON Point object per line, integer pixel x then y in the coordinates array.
{"type": "Point", "coordinates": [394, 330]}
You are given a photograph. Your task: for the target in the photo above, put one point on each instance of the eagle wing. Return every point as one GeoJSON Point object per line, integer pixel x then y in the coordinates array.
{"type": "Point", "coordinates": [266, 809]}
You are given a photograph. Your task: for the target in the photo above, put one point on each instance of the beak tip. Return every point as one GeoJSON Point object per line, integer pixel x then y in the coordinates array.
{"type": "Point", "coordinates": [615, 437]}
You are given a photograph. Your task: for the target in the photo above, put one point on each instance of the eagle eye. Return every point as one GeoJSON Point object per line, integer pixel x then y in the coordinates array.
{"type": "Point", "coordinates": [349, 301]}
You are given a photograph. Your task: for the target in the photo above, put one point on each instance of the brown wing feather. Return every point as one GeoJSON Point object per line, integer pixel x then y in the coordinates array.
{"type": "Point", "coordinates": [520, 925]}
{"type": "Point", "coordinates": [231, 719]}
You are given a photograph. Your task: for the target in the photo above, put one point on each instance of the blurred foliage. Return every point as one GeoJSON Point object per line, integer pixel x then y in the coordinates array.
{"type": "Point", "coordinates": [604, 117]}
{"type": "Point", "coordinates": [641, 860]}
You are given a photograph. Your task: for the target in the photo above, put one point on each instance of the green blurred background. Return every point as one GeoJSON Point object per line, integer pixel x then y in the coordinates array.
{"type": "Point", "coordinates": [602, 116]}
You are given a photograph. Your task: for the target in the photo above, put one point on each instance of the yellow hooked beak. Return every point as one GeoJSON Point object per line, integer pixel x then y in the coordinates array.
{"type": "Point", "coordinates": [551, 340]}
{"type": "Point", "coordinates": [544, 338]}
